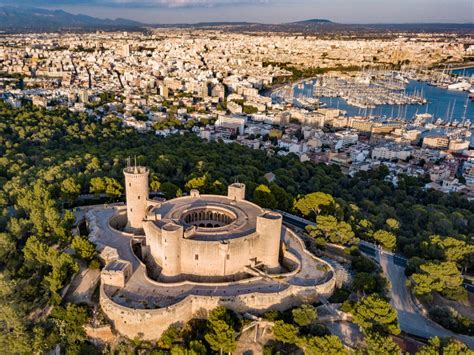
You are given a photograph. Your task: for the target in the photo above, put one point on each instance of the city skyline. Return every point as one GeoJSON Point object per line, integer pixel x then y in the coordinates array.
{"type": "Point", "coordinates": [266, 11]}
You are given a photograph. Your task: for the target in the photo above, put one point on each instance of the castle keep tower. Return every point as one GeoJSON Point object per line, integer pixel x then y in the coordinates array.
{"type": "Point", "coordinates": [136, 191]}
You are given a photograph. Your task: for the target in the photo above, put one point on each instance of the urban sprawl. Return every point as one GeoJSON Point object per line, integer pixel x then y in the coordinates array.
{"type": "Point", "coordinates": [240, 88]}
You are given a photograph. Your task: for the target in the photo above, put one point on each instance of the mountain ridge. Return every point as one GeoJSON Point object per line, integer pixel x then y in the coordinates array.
{"type": "Point", "coordinates": [20, 18]}
{"type": "Point", "coordinates": [17, 17]}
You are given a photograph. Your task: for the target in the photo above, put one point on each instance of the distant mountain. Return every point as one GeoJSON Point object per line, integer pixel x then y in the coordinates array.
{"type": "Point", "coordinates": [20, 19]}
{"type": "Point", "coordinates": [32, 19]}
{"type": "Point", "coordinates": [315, 21]}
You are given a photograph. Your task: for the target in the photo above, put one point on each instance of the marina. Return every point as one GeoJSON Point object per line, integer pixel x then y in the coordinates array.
{"type": "Point", "coordinates": [442, 104]}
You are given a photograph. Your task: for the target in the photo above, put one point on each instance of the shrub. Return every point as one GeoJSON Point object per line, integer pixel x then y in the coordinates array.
{"type": "Point", "coordinates": [450, 319]}
{"type": "Point", "coordinates": [94, 264]}
{"type": "Point", "coordinates": [340, 295]}
{"type": "Point", "coordinates": [304, 315]}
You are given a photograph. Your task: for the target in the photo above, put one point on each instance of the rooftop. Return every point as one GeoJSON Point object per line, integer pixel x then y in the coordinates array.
{"type": "Point", "coordinates": [209, 217]}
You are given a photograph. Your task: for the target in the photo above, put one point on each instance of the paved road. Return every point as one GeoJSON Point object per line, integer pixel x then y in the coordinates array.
{"type": "Point", "coordinates": [411, 318]}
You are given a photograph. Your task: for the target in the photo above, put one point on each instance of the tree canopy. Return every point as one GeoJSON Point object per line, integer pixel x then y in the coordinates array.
{"type": "Point", "coordinates": [375, 313]}
{"type": "Point", "coordinates": [443, 277]}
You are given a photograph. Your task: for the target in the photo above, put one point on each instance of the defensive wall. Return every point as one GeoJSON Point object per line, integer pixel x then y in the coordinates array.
{"type": "Point", "coordinates": [149, 324]}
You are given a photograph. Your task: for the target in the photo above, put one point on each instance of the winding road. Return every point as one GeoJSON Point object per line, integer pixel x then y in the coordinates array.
{"type": "Point", "coordinates": [411, 318]}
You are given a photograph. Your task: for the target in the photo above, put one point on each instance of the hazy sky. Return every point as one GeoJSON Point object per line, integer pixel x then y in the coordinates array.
{"type": "Point", "coordinates": [268, 11]}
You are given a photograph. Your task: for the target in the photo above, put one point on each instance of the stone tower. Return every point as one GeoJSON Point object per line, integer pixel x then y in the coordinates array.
{"type": "Point", "coordinates": [269, 229]}
{"type": "Point", "coordinates": [236, 192]}
{"type": "Point", "coordinates": [136, 191]}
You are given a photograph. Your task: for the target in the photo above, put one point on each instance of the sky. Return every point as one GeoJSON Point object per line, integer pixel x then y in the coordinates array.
{"type": "Point", "coordinates": [266, 11]}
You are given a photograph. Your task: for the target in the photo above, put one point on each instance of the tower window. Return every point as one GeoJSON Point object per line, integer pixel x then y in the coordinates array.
{"type": "Point", "coordinates": [228, 256]}
{"type": "Point", "coordinates": [130, 184]}
{"type": "Point", "coordinates": [131, 210]}
{"type": "Point", "coordinates": [196, 257]}
{"type": "Point", "coordinates": [139, 197]}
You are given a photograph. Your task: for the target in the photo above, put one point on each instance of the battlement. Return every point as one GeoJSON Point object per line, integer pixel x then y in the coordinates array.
{"type": "Point", "coordinates": [136, 170]}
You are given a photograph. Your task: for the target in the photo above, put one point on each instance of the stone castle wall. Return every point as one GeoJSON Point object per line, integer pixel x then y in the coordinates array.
{"type": "Point", "coordinates": [188, 258]}
{"type": "Point", "coordinates": [151, 323]}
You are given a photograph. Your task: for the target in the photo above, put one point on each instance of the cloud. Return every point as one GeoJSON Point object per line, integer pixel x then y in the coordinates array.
{"type": "Point", "coordinates": [135, 3]}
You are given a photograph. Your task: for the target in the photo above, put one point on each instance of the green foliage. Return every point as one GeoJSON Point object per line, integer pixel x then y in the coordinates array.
{"type": "Point", "coordinates": [376, 343]}
{"type": "Point", "coordinates": [198, 183]}
{"type": "Point", "coordinates": [449, 318]}
{"type": "Point", "coordinates": [284, 332]}
{"type": "Point", "coordinates": [272, 315]}
{"type": "Point", "coordinates": [318, 330]}
{"type": "Point", "coordinates": [155, 183]}
{"type": "Point", "coordinates": [362, 263]}
{"type": "Point", "coordinates": [107, 185]}
{"type": "Point", "coordinates": [170, 190]}
{"type": "Point", "coordinates": [84, 248]}
{"type": "Point", "coordinates": [43, 211]}
{"type": "Point", "coordinates": [304, 315]}
{"type": "Point", "coordinates": [60, 265]}
{"type": "Point", "coordinates": [386, 239]}
{"type": "Point", "coordinates": [41, 149]}
{"type": "Point", "coordinates": [368, 283]}
{"type": "Point", "coordinates": [221, 336]}
{"type": "Point", "coordinates": [375, 313]}
{"type": "Point", "coordinates": [447, 346]}
{"type": "Point", "coordinates": [14, 336]}
{"type": "Point", "coordinates": [449, 249]}
{"type": "Point", "coordinates": [393, 224]}
{"type": "Point", "coordinates": [226, 315]}
{"type": "Point", "coordinates": [329, 344]}
{"type": "Point", "coordinates": [222, 326]}
{"type": "Point", "coordinates": [70, 189]}
{"type": "Point", "coordinates": [69, 322]}
{"type": "Point", "coordinates": [170, 337]}
{"type": "Point", "coordinates": [442, 277]}
{"type": "Point", "coordinates": [196, 347]}
{"type": "Point", "coordinates": [314, 204]}
{"type": "Point", "coordinates": [263, 197]}
{"type": "Point", "coordinates": [7, 247]}
{"type": "Point", "coordinates": [413, 265]}
{"type": "Point", "coordinates": [334, 231]}
{"type": "Point", "coordinates": [250, 110]}
{"type": "Point", "coordinates": [340, 295]}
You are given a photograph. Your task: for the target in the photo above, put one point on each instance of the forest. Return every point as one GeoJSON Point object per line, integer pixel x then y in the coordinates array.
{"type": "Point", "coordinates": [51, 159]}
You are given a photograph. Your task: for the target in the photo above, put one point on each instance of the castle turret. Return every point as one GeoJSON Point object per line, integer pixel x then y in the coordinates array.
{"type": "Point", "coordinates": [236, 192]}
{"type": "Point", "coordinates": [171, 236]}
{"type": "Point", "coordinates": [136, 190]}
{"type": "Point", "coordinates": [269, 230]}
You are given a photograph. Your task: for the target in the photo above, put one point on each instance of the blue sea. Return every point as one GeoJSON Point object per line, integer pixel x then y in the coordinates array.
{"type": "Point", "coordinates": [442, 103]}
{"type": "Point", "coordinates": [464, 72]}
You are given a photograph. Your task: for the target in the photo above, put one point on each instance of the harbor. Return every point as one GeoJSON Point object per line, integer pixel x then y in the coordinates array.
{"type": "Point", "coordinates": [417, 98]}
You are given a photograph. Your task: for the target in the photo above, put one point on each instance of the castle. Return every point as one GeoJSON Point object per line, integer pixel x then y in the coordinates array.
{"type": "Point", "coordinates": [168, 262]}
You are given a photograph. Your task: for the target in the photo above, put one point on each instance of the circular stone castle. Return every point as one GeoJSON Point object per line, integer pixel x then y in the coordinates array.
{"type": "Point", "coordinates": [169, 262]}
